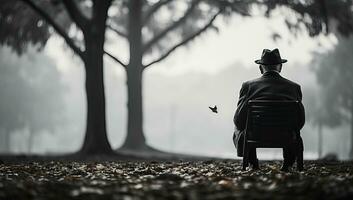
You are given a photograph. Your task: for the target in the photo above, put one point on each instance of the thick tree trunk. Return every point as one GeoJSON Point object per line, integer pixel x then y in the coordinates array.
{"type": "Point", "coordinates": [320, 139]}
{"type": "Point", "coordinates": [96, 141]}
{"type": "Point", "coordinates": [135, 139]}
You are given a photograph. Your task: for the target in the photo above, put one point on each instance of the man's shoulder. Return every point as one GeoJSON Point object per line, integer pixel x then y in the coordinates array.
{"type": "Point", "coordinates": [290, 82]}
{"type": "Point", "coordinates": [252, 81]}
{"type": "Point", "coordinates": [261, 79]}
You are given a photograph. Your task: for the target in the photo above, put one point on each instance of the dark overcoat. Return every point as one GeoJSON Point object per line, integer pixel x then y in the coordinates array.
{"type": "Point", "coordinates": [270, 86]}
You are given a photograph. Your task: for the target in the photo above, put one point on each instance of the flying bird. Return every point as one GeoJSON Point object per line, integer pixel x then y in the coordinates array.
{"type": "Point", "coordinates": [214, 109]}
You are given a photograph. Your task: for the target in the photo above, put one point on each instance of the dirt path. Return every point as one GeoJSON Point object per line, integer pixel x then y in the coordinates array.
{"type": "Point", "coordinates": [173, 180]}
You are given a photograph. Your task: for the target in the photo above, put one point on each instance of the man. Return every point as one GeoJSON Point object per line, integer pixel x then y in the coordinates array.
{"type": "Point", "coordinates": [270, 86]}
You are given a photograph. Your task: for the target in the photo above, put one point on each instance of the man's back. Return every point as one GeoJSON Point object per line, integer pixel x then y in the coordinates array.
{"type": "Point", "coordinates": [270, 86]}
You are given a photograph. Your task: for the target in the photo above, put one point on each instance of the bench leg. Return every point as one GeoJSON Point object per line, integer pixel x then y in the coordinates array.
{"type": "Point", "coordinates": [244, 163]}
{"type": "Point", "coordinates": [245, 156]}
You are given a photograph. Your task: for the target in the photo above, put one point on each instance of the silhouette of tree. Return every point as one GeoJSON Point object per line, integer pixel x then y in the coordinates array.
{"type": "Point", "coordinates": [154, 30]}
{"type": "Point", "coordinates": [28, 99]}
{"type": "Point", "coordinates": [25, 22]}
{"type": "Point", "coordinates": [334, 72]}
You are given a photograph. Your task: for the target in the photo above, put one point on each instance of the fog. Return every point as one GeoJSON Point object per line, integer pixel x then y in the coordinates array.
{"type": "Point", "coordinates": [177, 94]}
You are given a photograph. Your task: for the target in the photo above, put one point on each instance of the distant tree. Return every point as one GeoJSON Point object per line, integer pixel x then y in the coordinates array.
{"type": "Point", "coordinates": [82, 25]}
{"type": "Point", "coordinates": [28, 99]}
{"type": "Point", "coordinates": [334, 70]}
{"type": "Point", "coordinates": [318, 111]}
{"type": "Point", "coordinates": [156, 29]}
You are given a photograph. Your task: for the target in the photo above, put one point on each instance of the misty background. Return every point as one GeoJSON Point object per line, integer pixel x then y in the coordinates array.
{"type": "Point", "coordinates": [176, 92]}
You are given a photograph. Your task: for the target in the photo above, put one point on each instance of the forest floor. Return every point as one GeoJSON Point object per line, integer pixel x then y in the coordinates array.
{"type": "Point", "coordinates": [213, 179]}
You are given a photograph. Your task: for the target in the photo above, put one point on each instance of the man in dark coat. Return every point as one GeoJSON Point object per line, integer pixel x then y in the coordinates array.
{"type": "Point", "coordinates": [270, 86]}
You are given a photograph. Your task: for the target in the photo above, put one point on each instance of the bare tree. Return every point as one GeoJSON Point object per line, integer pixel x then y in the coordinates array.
{"type": "Point", "coordinates": [20, 26]}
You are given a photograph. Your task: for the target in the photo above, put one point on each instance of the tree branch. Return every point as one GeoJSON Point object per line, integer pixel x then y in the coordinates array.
{"type": "Point", "coordinates": [186, 40]}
{"type": "Point", "coordinates": [56, 27]}
{"type": "Point", "coordinates": [171, 27]}
{"type": "Point", "coordinates": [75, 14]}
{"type": "Point", "coordinates": [154, 9]}
{"type": "Point", "coordinates": [115, 59]}
{"type": "Point", "coordinates": [120, 33]}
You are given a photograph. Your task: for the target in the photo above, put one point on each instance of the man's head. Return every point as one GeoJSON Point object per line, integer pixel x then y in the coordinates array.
{"type": "Point", "coordinates": [270, 61]}
{"type": "Point", "coordinates": [267, 68]}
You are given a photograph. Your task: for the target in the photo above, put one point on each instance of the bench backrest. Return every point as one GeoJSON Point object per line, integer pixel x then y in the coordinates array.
{"type": "Point", "coordinates": [271, 121]}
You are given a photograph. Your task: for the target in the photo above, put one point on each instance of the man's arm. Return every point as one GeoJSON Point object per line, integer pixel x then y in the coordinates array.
{"type": "Point", "coordinates": [240, 114]}
{"type": "Point", "coordinates": [301, 109]}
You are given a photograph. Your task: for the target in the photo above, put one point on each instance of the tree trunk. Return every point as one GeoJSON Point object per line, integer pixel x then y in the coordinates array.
{"type": "Point", "coordinates": [7, 141]}
{"type": "Point", "coordinates": [96, 141]}
{"type": "Point", "coordinates": [135, 138]}
{"type": "Point", "coordinates": [320, 140]}
{"type": "Point", "coordinates": [351, 151]}
{"type": "Point", "coordinates": [30, 141]}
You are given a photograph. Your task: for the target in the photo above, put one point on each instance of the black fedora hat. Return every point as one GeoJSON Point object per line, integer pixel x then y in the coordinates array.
{"type": "Point", "coordinates": [269, 57]}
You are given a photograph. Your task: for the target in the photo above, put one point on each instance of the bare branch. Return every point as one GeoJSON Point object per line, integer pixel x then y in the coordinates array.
{"type": "Point", "coordinates": [120, 33]}
{"type": "Point", "coordinates": [56, 27]}
{"type": "Point", "coordinates": [186, 40]}
{"type": "Point", "coordinates": [75, 14]}
{"type": "Point", "coordinates": [115, 59]}
{"type": "Point", "coordinates": [171, 27]}
{"type": "Point", "coordinates": [154, 9]}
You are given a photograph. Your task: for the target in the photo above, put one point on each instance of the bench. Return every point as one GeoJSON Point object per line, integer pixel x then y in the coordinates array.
{"type": "Point", "coordinates": [271, 124]}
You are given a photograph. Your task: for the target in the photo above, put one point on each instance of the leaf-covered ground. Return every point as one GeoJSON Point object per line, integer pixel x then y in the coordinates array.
{"type": "Point", "coordinates": [173, 180]}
